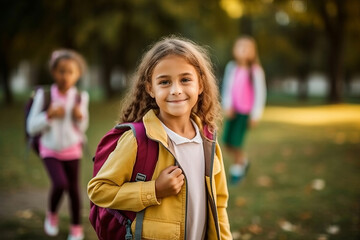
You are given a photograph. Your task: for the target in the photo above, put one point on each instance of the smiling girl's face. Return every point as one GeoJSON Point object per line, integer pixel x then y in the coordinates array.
{"type": "Point", "coordinates": [175, 86]}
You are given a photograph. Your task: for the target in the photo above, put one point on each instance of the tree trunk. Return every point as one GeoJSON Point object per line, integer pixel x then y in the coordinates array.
{"type": "Point", "coordinates": [303, 73]}
{"type": "Point", "coordinates": [303, 89]}
{"type": "Point", "coordinates": [335, 31]}
{"type": "Point", "coordinates": [5, 78]}
{"type": "Point", "coordinates": [246, 27]}
{"type": "Point", "coordinates": [336, 71]}
{"type": "Point", "coordinates": [106, 68]}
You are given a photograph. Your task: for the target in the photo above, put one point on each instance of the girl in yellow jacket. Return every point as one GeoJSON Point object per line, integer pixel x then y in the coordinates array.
{"type": "Point", "coordinates": [176, 96]}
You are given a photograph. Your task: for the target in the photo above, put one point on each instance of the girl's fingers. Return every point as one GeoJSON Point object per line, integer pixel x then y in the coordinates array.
{"type": "Point", "coordinates": [176, 172]}
{"type": "Point", "coordinates": [181, 177]}
{"type": "Point", "coordinates": [178, 186]}
{"type": "Point", "coordinates": [170, 169]}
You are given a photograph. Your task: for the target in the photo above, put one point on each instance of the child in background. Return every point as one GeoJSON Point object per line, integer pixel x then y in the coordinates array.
{"type": "Point", "coordinates": [243, 100]}
{"type": "Point", "coordinates": [175, 95]}
{"type": "Point", "coordinates": [62, 127]}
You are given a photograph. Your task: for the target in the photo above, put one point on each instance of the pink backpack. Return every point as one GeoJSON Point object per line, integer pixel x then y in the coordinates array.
{"type": "Point", "coordinates": [112, 223]}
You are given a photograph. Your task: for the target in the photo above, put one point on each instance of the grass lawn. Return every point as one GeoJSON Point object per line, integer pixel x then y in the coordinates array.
{"type": "Point", "coordinates": [303, 183]}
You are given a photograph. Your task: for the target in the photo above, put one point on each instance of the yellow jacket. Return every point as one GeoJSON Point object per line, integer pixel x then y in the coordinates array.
{"type": "Point", "coordinates": [165, 218]}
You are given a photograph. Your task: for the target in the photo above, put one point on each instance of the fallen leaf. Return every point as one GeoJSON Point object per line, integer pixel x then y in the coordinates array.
{"type": "Point", "coordinates": [308, 189]}
{"type": "Point", "coordinates": [264, 181]}
{"type": "Point", "coordinates": [236, 235]}
{"type": "Point", "coordinates": [322, 237]}
{"type": "Point", "coordinates": [333, 229]}
{"type": "Point", "coordinates": [318, 184]}
{"type": "Point", "coordinates": [255, 229]}
{"type": "Point", "coordinates": [280, 167]}
{"type": "Point", "coordinates": [240, 201]}
{"type": "Point", "coordinates": [25, 214]}
{"type": "Point", "coordinates": [287, 226]}
{"type": "Point", "coordinates": [305, 215]}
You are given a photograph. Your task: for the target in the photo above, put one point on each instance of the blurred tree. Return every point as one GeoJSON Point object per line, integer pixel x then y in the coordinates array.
{"type": "Point", "coordinates": [299, 36]}
{"type": "Point", "coordinates": [18, 22]}
{"type": "Point", "coordinates": [337, 20]}
{"type": "Point", "coordinates": [334, 15]}
{"type": "Point", "coordinates": [303, 36]}
{"type": "Point", "coordinates": [110, 33]}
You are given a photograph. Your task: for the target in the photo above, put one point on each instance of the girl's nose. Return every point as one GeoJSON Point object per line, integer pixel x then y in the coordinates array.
{"type": "Point", "coordinates": [176, 89]}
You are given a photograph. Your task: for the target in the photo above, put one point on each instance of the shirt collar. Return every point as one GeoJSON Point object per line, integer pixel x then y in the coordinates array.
{"type": "Point", "coordinates": [56, 92]}
{"type": "Point", "coordinates": [177, 139]}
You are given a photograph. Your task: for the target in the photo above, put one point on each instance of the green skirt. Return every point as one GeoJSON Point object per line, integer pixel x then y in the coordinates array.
{"type": "Point", "coordinates": [235, 130]}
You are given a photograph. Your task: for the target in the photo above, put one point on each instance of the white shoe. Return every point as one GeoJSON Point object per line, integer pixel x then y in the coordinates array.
{"type": "Point", "coordinates": [51, 224]}
{"type": "Point", "coordinates": [238, 172]}
{"type": "Point", "coordinates": [76, 233]}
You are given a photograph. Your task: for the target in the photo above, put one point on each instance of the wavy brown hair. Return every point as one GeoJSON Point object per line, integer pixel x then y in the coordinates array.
{"type": "Point", "coordinates": [138, 101]}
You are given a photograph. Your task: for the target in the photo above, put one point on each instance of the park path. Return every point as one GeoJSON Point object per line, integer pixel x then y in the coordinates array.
{"type": "Point", "coordinates": [24, 202]}
{"type": "Point", "coordinates": [18, 201]}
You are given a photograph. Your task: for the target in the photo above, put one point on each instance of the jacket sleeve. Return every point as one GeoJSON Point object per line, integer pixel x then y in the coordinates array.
{"type": "Point", "coordinates": [37, 120]}
{"type": "Point", "coordinates": [83, 124]}
{"type": "Point", "coordinates": [228, 79]}
{"type": "Point", "coordinates": [260, 93]}
{"type": "Point", "coordinates": [111, 188]}
{"type": "Point", "coordinates": [222, 196]}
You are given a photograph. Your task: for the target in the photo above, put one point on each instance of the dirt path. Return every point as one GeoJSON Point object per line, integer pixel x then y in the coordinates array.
{"type": "Point", "coordinates": [21, 202]}
{"type": "Point", "coordinates": [22, 212]}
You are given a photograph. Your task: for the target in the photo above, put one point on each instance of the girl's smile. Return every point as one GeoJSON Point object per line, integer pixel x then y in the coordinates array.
{"type": "Point", "coordinates": [177, 100]}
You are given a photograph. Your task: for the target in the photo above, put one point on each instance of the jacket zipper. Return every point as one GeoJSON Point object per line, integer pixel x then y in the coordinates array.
{"type": "Point", "coordinates": [212, 191]}
{"type": "Point", "coordinates": [177, 162]}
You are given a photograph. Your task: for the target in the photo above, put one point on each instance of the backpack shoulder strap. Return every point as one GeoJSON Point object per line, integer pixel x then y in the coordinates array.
{"type": "Point", "coordinates": [146, 159]}
{"type": "Point", "coordinates": [147, 152]}
{"type": "Point", "coordinates": [47, 95]}
{"type": "Point", "coordinates": [47, 98]}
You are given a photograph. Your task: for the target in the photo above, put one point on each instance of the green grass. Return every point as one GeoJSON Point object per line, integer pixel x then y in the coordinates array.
{"type": "Point", "coordinates": [285, 160]}
{"type": "Point", "coordinates": [277, 192]}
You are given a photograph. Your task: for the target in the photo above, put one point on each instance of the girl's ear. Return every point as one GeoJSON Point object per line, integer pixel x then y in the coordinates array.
{"type": "Point", "coordinates": [149, 90]}
{"type": "Point", "coordinates": [201, 87]}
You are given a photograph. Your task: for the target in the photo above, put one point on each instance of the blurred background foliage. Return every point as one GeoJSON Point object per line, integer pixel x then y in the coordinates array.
{"type": "Point", "coordinates": [303, 183]}
{"type": "Point", "coordinates": [295, 37]}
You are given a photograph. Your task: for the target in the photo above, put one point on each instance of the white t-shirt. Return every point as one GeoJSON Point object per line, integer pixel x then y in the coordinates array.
{"type": "Point", "coordinates": [190, 155]}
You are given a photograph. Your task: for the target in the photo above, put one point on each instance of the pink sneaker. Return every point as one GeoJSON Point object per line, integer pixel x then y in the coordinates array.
{"type": "Point", "coordinates": [51, 224]}
{"type": "Point", "coordinates": [76, 233]}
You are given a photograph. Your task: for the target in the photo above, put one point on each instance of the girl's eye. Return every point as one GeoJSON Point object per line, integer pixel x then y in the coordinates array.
{"type": "Point", "coordinates": [164, 82]}
{"type": "Point", "coordinates": [185, 80]}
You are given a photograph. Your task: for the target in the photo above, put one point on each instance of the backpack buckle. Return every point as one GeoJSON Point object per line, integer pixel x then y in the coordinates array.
{"type": "Point", "coordinates": [140, 177]}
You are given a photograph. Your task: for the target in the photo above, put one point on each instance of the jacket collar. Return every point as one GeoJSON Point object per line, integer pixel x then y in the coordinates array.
{"type": "Point", "coordinates": [154, 129]}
